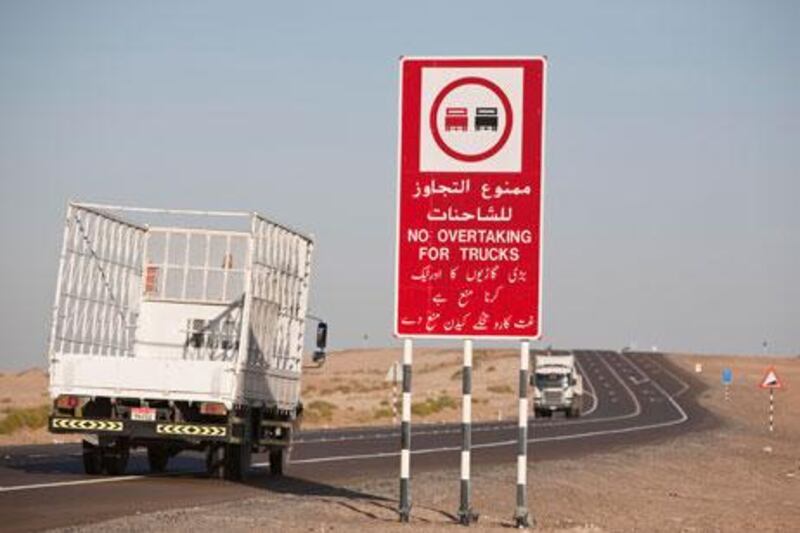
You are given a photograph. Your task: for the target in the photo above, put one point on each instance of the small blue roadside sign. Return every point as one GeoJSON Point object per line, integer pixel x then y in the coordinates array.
{"type": "Point", "coordinates": [727, 376]}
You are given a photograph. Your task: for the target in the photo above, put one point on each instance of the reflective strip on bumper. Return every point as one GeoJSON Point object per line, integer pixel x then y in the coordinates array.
{"type": "Point", "coordinates": [191, 430]}
{"type": "Point", "coordinates": [86, 425]}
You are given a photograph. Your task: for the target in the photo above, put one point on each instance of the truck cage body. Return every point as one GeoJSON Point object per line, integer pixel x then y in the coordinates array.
{"type": "Point", "coordinates": [179, 313]}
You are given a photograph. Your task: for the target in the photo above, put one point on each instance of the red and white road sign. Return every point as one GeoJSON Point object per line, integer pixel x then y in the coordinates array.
{"type": "Point", "coordinates": [771, 380]}
{"type": "Point", "coordinates": [471, 160]}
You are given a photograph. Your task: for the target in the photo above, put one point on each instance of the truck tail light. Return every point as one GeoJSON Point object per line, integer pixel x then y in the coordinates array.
{"type": "Point", "coordinates": [151, 280]}
{"type": "Point", "coordinates": [68, 402]}
{"type": "Point", "coordinates": [214, 409]}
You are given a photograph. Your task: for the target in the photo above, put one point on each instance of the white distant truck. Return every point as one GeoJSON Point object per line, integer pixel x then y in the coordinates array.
{"type": "Point", "coordinates": [178, 337]}
{"type": "Point", "coordinates": [557, 386]}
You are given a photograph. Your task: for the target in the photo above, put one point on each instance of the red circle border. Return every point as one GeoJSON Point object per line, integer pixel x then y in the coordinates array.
{"type": "Point", "coordinates": [471, 158]}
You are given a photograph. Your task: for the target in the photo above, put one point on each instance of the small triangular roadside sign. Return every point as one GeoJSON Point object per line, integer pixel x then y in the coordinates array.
{"type": "Point", "coordinates": [771, 380]}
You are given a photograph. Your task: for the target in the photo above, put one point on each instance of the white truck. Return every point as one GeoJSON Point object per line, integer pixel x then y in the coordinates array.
{"type": "Point", "coordinates": [557, 386]}
{"type": "Point", "coordinates": [177, 337]}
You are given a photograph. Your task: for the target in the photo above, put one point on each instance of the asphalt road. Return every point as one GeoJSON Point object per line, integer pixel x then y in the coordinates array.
{"type": "Point", "coordinates": [635, 398]}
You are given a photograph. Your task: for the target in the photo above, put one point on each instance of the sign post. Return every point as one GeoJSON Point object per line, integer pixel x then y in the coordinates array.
{"type": "Point", "coordinates": [521, 513]}
{"type": "Point", "coordinates": [405, 435]}
{"type": "Point", "coordinates": [771, 381]}
{"type": "Point", "coordinates": [465, 513]}
{"type": "Point", "coordinates": [469, 209]}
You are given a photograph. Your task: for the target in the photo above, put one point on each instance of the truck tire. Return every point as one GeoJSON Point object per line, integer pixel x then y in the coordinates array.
{"type": "Point", "coordinates": [237, 461]}
{"type": "Point", "coordinates": [157, 458]}
{"type": "Point", "coordinates": [115, 458]}
{"type": "Point", "coordinates": [278, 457]}
{"type": "Point", "coordinates": [215, 461]}
{"type": "Point", "coordinates": [228, 461]}
{"type": "Point", "coordinates": [92, 459]}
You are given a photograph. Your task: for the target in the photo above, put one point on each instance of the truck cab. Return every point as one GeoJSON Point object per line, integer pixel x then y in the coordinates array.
{"type": "Point", "coordinates": [557, 386]}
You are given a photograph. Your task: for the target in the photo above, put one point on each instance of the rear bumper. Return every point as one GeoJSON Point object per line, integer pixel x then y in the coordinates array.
{"type": "Point", "coordinates": [134, 429]}
{"type": "Point", "coordinates": [553, 406]}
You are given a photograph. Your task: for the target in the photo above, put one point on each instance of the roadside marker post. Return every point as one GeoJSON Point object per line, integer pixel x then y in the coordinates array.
{"type": "Point", "coordinates": [771, 381]}
{"type": "Point", "coordinates": [469, 215]}
{"type": "Point", "coordinates": [394, 375]}
{"type": "Point", "coordinates": [521, 517]}
{"type": "Point", "coordinates": [771, 411]}
{"type": "Point", "coordinates": [465, 513]}
{"type": "Point", "coordinates": [727, 379]}
{"type": "Point", "coordinates": [405, 435]}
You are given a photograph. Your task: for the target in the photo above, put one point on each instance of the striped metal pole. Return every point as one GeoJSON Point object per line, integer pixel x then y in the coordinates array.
{"type": "Point", "coordinates": [405, 435]}
{"type": "Point", "coordinates": [771, 411]}
{"type": "Point", "coordinates": [396, 372]}
{"type": "Point", "coordinates": [465, 513]}
{"type": "Point", "coordinates": [521, 517]}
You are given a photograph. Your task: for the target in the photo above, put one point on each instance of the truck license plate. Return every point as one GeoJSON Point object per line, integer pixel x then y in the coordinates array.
{"type": "Point", "coordinates": [145, 414]}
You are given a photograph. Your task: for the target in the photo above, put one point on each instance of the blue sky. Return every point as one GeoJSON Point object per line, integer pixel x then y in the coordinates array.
{"type": "Point", "coordinates": [672, 150]}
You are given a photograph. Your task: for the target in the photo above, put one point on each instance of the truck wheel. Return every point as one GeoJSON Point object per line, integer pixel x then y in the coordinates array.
{"type": "Point", "coordinates": [157, 458]}
{"type": "Point", "coordinates": [215, 461]}
{"type": "Point", "coordinates": [115, 459]}
{"type": "Point", "coordinates": [237, 461]}
{"type": "Point", "coordinates": [92, 459]}
{"type": "Point", "coordinates": [277, 461]}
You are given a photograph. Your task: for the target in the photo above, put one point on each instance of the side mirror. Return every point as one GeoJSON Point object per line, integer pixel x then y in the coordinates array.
{"type": "Point", "coordinates": [322, 341]}
{"type": "Point", "coordinates": [322, 336]}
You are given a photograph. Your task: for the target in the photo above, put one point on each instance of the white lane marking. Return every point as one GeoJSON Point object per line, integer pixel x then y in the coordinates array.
{"type": "Point", "coordinates": [684, 386]}
{"type": "Point", "coordinates": [671, 399]}
{"type": "Point", "coordinates": [69, 483]}
{"type": "Point", "coordinates": [591, 386]}
{"type": "Point", "coordinates": [644, 427]}
{"type": "Point", "coordinates": [482, 428]}
{"type": "Point", "coordinates": [499, 427]}
{"type": "Point", "coordinates": [637, 410]}
{"type": "Point", "coordinates": [638, 381]}
{"type": "Point", "coordinates": [643, 377]}
{"type": "Point", "coordinates": [683, 418]}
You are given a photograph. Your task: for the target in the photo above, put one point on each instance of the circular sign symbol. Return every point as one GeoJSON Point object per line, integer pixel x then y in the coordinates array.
{"type": "Point", "coordinates": [486, 119]}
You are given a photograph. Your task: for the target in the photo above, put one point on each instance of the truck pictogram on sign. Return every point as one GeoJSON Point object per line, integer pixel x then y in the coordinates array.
{"type": "Point", "coordinates": [455, 119]}
{"type": "Point", "coordinates": [486, 119]}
